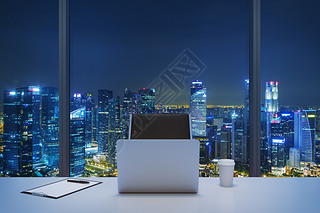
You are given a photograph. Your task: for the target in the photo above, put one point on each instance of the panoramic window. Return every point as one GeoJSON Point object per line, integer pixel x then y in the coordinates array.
{"type": "Point", "coordinates": [132, 57]}
{"type": "Point", "coordinates": [290, 122]}
{"type": "Point", "coordinates": [29, 106]}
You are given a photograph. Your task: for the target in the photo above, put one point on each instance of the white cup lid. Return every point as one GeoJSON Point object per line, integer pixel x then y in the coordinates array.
{"type": "Point", "coordinates": [226, 162]}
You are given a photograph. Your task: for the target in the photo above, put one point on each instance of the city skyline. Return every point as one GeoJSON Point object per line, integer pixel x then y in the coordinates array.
{"type": "Point", "coordinates": [289, 136]}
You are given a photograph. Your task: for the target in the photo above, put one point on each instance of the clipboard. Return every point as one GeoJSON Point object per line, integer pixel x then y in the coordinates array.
{"type": "Point", "coordinates": [61, 188]}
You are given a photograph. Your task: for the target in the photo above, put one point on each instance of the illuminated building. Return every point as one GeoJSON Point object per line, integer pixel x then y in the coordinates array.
{"type": "Point", "coordinates": [287, 122]}
{"type": "Point", "coordinates": [204, 149]}
{"type": "Point", "coordinates": [50, 126]}
{"type": "Point", "coordinates": [265, 164]}
{"type": "Point", "coordinates": [317, 140]}
{"type": "Point", "coordinates": [277, 146]}
{"type": "Point", "coordinates": [218, 122]}
{"type": "Point", "coordinates": [271, 110]}
{"type": "Point", "coordinates": [213, 141]}
{"type": "Point", "coordinates": [224, 144]}
{"type": "Point", "coordinates": [198, 109]}
{"type": "Point", "coordinates": [114, 128]}
{"type": "Point", "coordinates": [246, 108]}
{"type": "Point", "coordinates": [21, 130]}
{"type": "Point", "coordinates": [94, 142]}
{"type": "Point", "coordinates": [1, 141]}
{"type": "Point", "coordinates": [147, 100]}
{"type": "Point", "coordinates": [89, 122]}
{"type": "Point", "coordinates": [294, 157]}
{"type": "Point", "coordinates": [12, 136]}
{"type": "Point", "coordinates": [304, 139]}
{"type": "Point", "coordinates": [198, 114]}
{"type": "Point", "coordinates": [271, 96]}
{"type": "Point", "coordinates": [78, 101]}
{"type": "Point", "coordinates": [131, 105]}
{"type": "Point", "coordinates": [37, 149]}
{"type": "Point", "coordinates": [103, 99]}
{"type": "Point", "coordinates": [77, 141]}
{"type": "Point", "coordinates": [239, 143]}
{"type": "Point", "coordinates": [246, 126]}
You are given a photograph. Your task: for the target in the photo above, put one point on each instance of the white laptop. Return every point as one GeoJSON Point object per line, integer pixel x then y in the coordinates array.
{"type": "Point", "coordinates": [159, 155]}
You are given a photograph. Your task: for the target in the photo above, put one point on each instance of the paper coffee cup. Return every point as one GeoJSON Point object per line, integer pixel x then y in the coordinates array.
{"type": "Point", "coordinates": [226, 168]}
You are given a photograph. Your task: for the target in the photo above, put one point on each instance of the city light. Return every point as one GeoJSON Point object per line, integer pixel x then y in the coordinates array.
{"type": "Point", "coordinates": [276, 140]}
{"type": "Point", "coordinates": [285, 114]}
{"type": "Point", "coordinates": [197, 82]}
{"type": "Point", "coordinates": [221, 130]}
{"type": "Point", "coordinates": [35, 89]}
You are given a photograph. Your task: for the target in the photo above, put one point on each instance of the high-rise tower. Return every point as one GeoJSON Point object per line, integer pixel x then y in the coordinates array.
{"type": "Point", "coordinates": [147, 100]}
{"type": "Point", "coordinates": [131, 105]}
{"type": "Point", "coordinates": [21, 130]}
{"type": "Point", "coordinates": [198, 109]}
{"type": "Point", "coordinates": [304, 138]}
{"type": "Point", "coordinates": [103, 100]}
{"type": "Point", "coordinates": [50, 126]}
{"type": "Point", "coordinates": [114, 128]}
{"type": "Point", "coordinates": [271, 110]}
{"type": "Point", "coordinates": [271, 96]}
{"type": "Point", "coordinates": [77, 141]}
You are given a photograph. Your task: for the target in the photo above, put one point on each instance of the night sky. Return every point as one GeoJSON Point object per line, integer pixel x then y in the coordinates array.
{"type": "Point", "coordinates": [119, 44]}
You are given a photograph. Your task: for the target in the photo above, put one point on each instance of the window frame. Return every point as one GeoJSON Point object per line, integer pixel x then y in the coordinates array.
{"type": "Point", "coordinates": [254, 87]}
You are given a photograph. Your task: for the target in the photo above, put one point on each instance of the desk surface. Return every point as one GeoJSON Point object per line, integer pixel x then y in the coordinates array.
{"type": "Point", "coordinates": [247, 195]}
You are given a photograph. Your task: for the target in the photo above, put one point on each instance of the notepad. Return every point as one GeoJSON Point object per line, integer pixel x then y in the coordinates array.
{"type": "Point", "coordinates": [61, 188]}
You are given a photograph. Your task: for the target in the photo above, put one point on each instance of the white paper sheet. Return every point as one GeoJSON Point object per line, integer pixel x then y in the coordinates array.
{"type": "Point", "coordinates": [60, 188]}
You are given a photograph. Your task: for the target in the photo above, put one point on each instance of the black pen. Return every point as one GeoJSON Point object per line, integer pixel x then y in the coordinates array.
{"type": "Point", "coordinates": [78, 181]}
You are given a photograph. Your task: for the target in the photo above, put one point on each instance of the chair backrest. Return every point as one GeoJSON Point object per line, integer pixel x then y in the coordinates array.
{"type": "Point", "coordinates": [160, 126]}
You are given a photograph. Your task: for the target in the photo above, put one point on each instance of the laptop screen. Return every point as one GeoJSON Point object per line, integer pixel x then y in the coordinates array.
{"type": "Point", "coordinates": [160, 126]}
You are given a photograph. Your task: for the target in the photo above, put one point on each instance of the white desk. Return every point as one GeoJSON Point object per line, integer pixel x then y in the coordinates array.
{"type": "Point", "coordinates": [248, 195]}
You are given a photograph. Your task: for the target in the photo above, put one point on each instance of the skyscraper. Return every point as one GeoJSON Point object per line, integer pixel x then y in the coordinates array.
{"type": "Point", "coordinates": [1, 141]}
{"type": "Point", "coordinates": [246, 108]}
{"type": "Point", "coordinates": [277, 145]}
{"type": "Point", "coordinates": [265, 164]}
{"type": "Point", "coordinates": [37, 149]}
{"type": "Point", "coordinates": [78, 101]}
{"type": "Point", "coordinates": [287, 121]}
{"type": "Point", "coordinates": [294, 157]}
{"type": "Point", "coordinates": [225, 142]}
{"type": "Point", "coordinates": [213, 141]}
{"type": "Point", "coordinates": [246, 122]}
{"type": "Point", "coordinates": [94, 142]}
{"type": "Point", "coordinates": [271, 109]}
{"type": "Point", "coordinates": [147, 100]}
{"type": "Point", "coordinates": [114, 128]}
{"type": "Point", "coordinates": [198, 109]}
{"type": "Point", "coordinates": [77, 141]}
{"type": "Point", "coordinates": [19, 107]}
{"type": "Point", "coordinates": [50, 126]}
{"type": "Point", "coordinates": [239, 146]}
{"type": "Point", "coordinates": [89, 121]}
{"type": "Point", "coordinates": [304, 139]}
{"type": "Point", "coordinates": [131, 105]}
{"type": "Point", "coordinates": [317, 139]}
{"type": "Point", "coordinates": [271, 96]}
{"type": "Point", "coordinates": [103, 100]}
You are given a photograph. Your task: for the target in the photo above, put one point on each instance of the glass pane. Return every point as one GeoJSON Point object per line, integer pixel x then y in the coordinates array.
{"type": "Point", "coordinates": [158, 57]}
{"type": "Point", "coordinates": [29, 95]}
{"type": "Point", "coordinates": [289, 73]}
